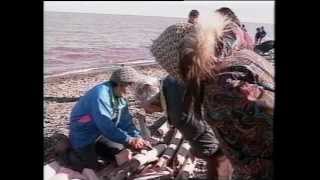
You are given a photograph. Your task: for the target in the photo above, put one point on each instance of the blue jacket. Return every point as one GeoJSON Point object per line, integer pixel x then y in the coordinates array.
{"type": "Point", "coordinates": [99, 112]}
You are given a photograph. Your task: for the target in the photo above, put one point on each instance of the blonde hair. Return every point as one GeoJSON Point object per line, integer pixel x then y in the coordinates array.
{"type": "Point", "coordinates": [199, 49]}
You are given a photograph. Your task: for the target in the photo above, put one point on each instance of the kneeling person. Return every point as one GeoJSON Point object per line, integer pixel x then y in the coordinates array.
{"type": "Point", "coordinates": [100, 122]}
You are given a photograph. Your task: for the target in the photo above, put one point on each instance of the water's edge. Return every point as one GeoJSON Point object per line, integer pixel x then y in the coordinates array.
{"type": "Point", "coordinates": [93, 71]}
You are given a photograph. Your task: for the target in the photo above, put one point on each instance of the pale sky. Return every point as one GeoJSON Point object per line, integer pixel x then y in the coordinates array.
{"type": "Point", "coordinates": [247, 11]}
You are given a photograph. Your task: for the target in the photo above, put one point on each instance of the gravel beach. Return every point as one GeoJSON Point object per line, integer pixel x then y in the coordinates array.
{"type": "Point", "coordinates": [62, 92]}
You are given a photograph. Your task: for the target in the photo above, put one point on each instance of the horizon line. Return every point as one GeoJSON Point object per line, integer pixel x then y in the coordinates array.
{"type": "Point", "coordinates": [140, 15]}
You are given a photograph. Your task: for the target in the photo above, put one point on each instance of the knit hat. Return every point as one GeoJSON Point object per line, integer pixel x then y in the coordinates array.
{"type": "Point", "coordinates": [126, 74]}
{"type": "Point", "coordinates": [165, 48]}
{"type": "Point", "coordinates": [146, 89]}
{"type": "Point", "coordinates": [207, 33]}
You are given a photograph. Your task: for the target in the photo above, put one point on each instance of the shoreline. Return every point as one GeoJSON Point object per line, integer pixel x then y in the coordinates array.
{"type": "Point", "coordinates": [62, 92]}
{"type": "Point", "coordinates": [94, 71]}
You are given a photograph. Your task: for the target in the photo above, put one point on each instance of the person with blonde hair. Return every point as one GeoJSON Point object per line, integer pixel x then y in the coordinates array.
{"type": "Point", "coordinates": [232, 91]}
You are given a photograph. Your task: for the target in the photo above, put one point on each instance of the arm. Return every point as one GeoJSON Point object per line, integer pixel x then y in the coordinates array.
{"type": "Point", "coordinates": [102, 112]}
{"type": "Point", "coordinates": [234, 82]}
{"type": "Point", "coordinates": [263, 98]}
{"type": "Point", "coordinates": [130, 128]}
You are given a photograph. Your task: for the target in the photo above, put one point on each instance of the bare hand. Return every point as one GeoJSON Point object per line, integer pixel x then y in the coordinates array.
{"type": "Point", "coordinates": [251, 91]}
{"type": "Point", "coordinates": [137, 143]}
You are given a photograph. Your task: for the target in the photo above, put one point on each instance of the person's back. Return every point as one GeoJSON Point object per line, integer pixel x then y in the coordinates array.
{"type": "Point", "coordinates": [83, 130]}
{"type": "Point", "coordinates": [228, 104]}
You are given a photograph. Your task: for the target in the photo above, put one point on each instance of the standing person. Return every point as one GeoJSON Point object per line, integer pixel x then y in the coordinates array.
{"type": "Point", "coordinates": [193, 16]}
{"type": "Point", "coordinates": [258, 36]}
{"type": "Point", "coordinates": [100, 122]}
{"type": "Point", "coordinates": [230, 94]}
{"type": "Point", "coordinates": [202, 139]}
{"type": "Point", "coordinates": [243, 28]}
{"type": "Point", "coordinates": [236, 38]}
{"type": "Point", "coordinates": [263, 34]}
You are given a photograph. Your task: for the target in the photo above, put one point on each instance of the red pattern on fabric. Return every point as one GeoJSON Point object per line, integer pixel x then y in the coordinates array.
{"type": "Point", "coordinates": [85, 119]}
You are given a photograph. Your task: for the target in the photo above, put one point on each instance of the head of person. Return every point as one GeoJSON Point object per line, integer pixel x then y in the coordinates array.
{"type": "Point", "coordinates": [192, 55]}
{"type": "Point", "coordinates": [123, 78]}
{"type": "Point", "coordinates": [193, 16]}
{"type": "Point", "coordinates": [189, 53]}
{"type": "Point", "coordinates": [258, 29]}
{"type": "Point", "coordinates": [145, 90]}
{"type": "Point", "coordinates": [262, 28]}
{"type": "Point", "coordinates": [225, 11]}
{"type": "Point", "coordinates": [147, 94]}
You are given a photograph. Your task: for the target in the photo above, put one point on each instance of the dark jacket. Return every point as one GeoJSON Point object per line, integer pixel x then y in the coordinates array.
{"type": "Point", "coordinates": [197, 132]}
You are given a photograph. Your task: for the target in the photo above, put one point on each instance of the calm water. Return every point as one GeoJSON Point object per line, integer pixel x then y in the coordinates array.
{"type": "Point", "coordinates": [80, 41]}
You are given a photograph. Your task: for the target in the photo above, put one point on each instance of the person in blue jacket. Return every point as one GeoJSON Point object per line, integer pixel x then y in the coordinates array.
{"type": "Point", "coordinates": [100, 122]}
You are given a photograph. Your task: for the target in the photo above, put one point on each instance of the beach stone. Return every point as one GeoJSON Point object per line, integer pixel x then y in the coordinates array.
{"type": "Point", "coordinates": [56, 115]}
